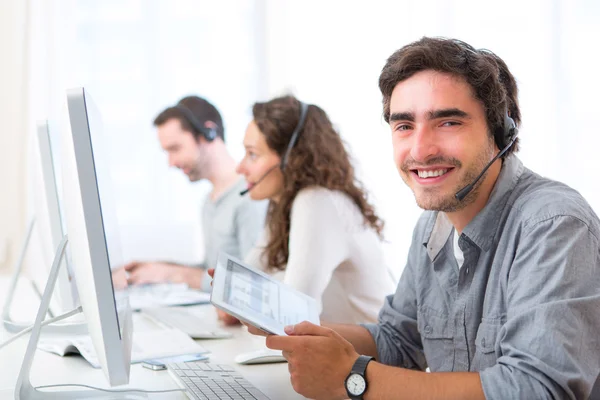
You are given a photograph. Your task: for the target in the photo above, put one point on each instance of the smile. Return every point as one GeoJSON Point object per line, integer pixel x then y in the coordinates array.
{"type": "Point", "coordinates": [431, 175]}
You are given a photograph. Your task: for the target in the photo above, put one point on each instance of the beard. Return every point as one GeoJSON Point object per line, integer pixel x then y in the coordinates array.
{"type": "Point", "coordinates": [197, 170]}
{"type": "Point", "coordinates": [437, 199]}
{"type": "Point", "coordinates": [194, 175]}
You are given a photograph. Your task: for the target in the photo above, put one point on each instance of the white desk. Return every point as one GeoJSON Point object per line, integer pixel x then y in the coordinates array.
{"type": "Point", "coordinates": [272, 379]}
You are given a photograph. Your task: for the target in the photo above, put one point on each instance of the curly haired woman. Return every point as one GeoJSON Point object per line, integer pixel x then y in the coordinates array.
{"type": "Point", "coordinates": [322, 236]}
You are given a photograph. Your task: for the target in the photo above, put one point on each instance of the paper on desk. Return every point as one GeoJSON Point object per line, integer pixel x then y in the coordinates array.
{"type": "Point", "coordinates": [146, 345]}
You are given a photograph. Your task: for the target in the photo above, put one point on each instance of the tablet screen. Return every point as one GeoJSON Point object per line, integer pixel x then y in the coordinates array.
{"type": "Point", "coordinates": [255, 294]}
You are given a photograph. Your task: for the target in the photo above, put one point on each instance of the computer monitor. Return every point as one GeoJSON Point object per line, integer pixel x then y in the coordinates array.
{"type": "Point", "coordinates": [50, 226]}
{"type": "Point", "coordinates": [42, 239]}
{"type": "Point", "coordinates": [93, 235]}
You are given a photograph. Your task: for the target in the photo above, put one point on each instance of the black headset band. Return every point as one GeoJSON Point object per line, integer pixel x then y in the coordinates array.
{"type": "Point", "coordinates": [295, 134]}
{"type": "Point", "coordinates": [208, 133]}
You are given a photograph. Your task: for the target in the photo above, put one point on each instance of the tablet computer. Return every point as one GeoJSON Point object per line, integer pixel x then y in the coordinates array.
{"type": "Point", "coordinates": [258, 299]}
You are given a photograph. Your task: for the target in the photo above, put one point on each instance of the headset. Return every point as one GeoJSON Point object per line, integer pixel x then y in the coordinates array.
{"type": "Point", "coordinates": [505, 136]}
{"type": "Point", "coordinates": [291, 144]}
{"type": "Point", "coordinates": [294, 138]}
{"type": "Point", "coordinates": [209, 134]}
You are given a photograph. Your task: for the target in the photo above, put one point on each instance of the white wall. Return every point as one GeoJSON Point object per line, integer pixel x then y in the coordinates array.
{"type": "Point", "coordinates": [13, 111]}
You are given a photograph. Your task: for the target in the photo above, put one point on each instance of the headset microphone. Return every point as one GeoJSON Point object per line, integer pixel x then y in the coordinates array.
{"type": "Point", "coordinates": [292, 142]}
{"type": "Point", "coordinates": [511, 133]}
{"type": "Point", "coordinates": [243, 192]}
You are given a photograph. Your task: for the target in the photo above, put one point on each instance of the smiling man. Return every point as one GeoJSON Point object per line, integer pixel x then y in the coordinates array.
{"type": "Point", "coordinates": [500, 296]}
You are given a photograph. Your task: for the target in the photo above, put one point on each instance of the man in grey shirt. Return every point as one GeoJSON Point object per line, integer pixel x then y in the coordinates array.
{"type": "Point", "coordinates": [500, 297]}
{"type": "Point", "coordinates": [192, 134]}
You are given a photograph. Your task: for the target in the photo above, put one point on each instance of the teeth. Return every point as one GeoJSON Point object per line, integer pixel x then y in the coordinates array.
{"type": "Point", "coordinates": [431, 174]}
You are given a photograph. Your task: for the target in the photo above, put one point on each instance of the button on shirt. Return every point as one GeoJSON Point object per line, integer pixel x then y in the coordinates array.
{"type": "Point", "coordinates": [524, 309]}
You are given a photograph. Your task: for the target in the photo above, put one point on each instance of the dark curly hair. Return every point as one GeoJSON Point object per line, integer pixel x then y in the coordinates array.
{"type": "Point", "coordinates": [486, 73]}
{"type": "Point", "coordinates": [319, 158]}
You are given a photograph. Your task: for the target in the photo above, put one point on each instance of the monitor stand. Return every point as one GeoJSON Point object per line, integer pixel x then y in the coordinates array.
{"type": "Point", "coordinates": [71, 328]}
{"type": "Point", "coordinates": [24, 390]}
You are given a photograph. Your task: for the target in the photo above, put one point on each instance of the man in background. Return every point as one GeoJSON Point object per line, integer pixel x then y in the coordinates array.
{"type": "Point", "coordinates": [192, 134]}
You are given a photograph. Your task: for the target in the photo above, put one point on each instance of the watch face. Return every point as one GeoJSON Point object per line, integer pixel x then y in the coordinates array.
{"type": "Point", "coordinates": [356, 385]}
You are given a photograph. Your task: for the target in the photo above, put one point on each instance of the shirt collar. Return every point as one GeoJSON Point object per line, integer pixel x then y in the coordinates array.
{"type": "Point", "coordinates": [482, 228]}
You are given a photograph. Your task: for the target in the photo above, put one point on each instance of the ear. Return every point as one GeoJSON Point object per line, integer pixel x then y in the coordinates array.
{"type": "Point", "coordinates": [210, 125]}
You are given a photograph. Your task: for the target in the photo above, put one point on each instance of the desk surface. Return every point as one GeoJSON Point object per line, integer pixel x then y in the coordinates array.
{"type": "Point", "coordinates": [271, 379]}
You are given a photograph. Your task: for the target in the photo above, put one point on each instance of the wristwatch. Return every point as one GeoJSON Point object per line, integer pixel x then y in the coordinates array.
{"type": "Point", "coordinates": [356, 382]}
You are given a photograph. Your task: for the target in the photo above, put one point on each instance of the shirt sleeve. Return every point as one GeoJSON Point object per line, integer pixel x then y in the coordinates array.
{"type": "Point", "coordinates": [396, 334]}
{"type": "Point", "coordinates": [250, 222]}
{"type": "Point", "coordinates": [318, 243]}
{"type": "Point", "coordinates": [549, 345]}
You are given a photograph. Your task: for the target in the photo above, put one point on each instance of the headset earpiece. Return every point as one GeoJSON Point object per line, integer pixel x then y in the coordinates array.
{"type": "Point", "coordinates": [209, 134]}
{"type": "Point", "coordinates": [510, 128]}
{"type": "Point", "coordinates": [506, 133]}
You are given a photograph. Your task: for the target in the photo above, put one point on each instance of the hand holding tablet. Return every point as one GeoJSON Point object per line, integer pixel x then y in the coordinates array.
{"type": "Point", "coordinates": [258, 299]}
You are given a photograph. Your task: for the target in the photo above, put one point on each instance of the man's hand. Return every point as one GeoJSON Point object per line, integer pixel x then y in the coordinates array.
{"type": "Point", "coordinates": [319, 360]}
{"type": "Point", "coordinates": [227, 319]}
{"type": "Point", "coordinates": [119, 278]}
{"type": "Point", "coordinates": [141, 273]}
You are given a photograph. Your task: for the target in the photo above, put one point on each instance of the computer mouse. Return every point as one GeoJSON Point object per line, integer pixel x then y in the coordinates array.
{"type": "Point", "coordinates": [262, 356]}
{"type": "Point", "coordinates": [214, 334]}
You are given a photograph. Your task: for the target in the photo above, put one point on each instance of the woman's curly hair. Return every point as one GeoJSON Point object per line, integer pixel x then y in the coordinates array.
{"type": "Point", "coordinates": [318, 158]}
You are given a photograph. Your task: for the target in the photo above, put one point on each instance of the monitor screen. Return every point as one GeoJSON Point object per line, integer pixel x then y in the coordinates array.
{"type": "Point", "coordinates": [93, 235]}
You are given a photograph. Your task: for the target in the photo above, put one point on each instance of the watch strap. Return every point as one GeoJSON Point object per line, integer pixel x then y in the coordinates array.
{"type": "Point", "coordinates": [360, 365]}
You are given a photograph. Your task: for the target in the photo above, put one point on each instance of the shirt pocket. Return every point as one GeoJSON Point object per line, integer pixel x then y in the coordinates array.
{"type": "Point", "coordinates": [437, 336]}
{"type": "Point", "coordinates": [485, 344]}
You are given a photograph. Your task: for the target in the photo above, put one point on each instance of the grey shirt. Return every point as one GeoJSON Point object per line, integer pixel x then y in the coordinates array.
{"type": "Point", "coordinates": [523, 311]}
{"type": "Point", "coordinates": [232, 224]}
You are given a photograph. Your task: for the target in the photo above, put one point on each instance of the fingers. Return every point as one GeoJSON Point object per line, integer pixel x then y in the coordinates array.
{"type": "Point", "coordinates": [283, 343]}
{"type": "Point", "coordinates": [287, 343]}
{"type": "Point", "coordinates": [230, 320]}
{"type": "Point", "coordinates": [119, 279]}
{"type": "Point", "coordinates": [132, 265]}
{"type": "Point", "coordinates": [226, 318]}
{"type": "Point", "coordinates": [254, 330]}
{"type": "Point", "coordinates": [211, 273]}
{"type": "Point", "coordinates": [307, 328]}
{"type": "Point", "coordinates": [137, 279]}
{"type": "Point", "coordinates": [140, 277]}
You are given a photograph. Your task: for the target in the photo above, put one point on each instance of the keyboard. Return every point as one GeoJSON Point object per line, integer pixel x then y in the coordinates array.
{"type": "Point", "coordinates": [186, 321]}
{"type": "Point", "coordinates": [164, 294]}
{"type": "Point", "coordinates": [206, 381]}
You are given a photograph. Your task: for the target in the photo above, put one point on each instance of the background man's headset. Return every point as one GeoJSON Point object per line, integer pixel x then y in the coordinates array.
{"type": "Point", "coordinates": [291, 144]}
{"type": "Point", "coordinates": [209, 134]}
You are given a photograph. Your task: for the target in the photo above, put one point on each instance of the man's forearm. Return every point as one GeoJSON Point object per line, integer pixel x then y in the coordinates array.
{"type": "Point", "coordinates": [360, 338]}
{"type": "Point", "coordinates": [387, 382]}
